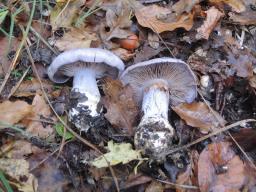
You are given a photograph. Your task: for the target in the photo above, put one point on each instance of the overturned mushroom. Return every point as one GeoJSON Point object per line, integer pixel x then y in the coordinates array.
{"type": "Point", "coordinates": [156, 84]}
{"type": "Point", "coordinates": [85, 66]}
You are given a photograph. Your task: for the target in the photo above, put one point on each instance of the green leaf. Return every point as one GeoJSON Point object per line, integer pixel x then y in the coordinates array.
{"type": "Point", "coordinates": [59, 127]}
{"type": "Point", "coordinates": [119, 153]}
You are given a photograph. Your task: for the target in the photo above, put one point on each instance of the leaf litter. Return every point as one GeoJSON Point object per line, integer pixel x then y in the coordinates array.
{"type": "Point", "coordinates": [215, 38]}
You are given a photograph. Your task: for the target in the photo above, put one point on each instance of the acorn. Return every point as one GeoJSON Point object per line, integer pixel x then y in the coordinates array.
{"type": "Point", "coordinates": [129, 43]}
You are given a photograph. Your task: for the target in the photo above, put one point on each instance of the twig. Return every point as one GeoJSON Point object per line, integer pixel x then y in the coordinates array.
{"type": "Point", "coordinates": [233, 139]}
{"type": "Point", "coordinates": [14, 89]}
{"type": "Point", "coordinates": [217, 131]}
{"type": "Point", "coordinates": [179, 185]}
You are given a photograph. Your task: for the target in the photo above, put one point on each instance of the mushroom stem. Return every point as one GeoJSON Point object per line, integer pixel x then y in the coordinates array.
{"type": "Point", "coordinates": [155, 104]}
{"type": "Point", "coordinates": [85, 96]}
{"type": "Point", "coordinates": [154, 133]}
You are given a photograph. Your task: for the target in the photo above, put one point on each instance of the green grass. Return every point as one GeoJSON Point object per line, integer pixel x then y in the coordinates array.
{"type": "Point", "coordinates": [5, 183]}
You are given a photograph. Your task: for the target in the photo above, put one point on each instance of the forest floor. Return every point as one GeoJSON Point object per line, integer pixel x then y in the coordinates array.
{"type": "Point", "coordinates": [214, 145]}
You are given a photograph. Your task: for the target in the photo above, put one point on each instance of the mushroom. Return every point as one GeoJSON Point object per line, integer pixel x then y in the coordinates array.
{"type": "Point", "coordinates": [156, 84]}
{"type": "Point", "coordinates": [85, 66]}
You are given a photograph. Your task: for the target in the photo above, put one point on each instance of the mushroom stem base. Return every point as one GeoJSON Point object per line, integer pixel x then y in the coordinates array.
{"type": "Point", "coordinates": [154, 133]}
{"type": "Point", "coordinates": [84, 107]}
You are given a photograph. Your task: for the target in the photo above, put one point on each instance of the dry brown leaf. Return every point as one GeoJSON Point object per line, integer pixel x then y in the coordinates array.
{"type": "Point", "coordinates": [13, 112]}
{"type": "Point", "coordinates": [117, 19]}
{"type": "Point", "coordinates": [75, 38]}
{"type": "Point", "coordinates": [157, 19]}
{"type": "Point", "coordinates": [237, 5]}
{"type": "Point", "coordinates": [124, 54]}
{"type": "Point", "coordinates": [246, 18]}
{"type": "Point", "coordinates": [242, 61]}
{"type": "Point", "coordinates": [212, 18]}
{"type": "Point", "coordinates": [136, 179]}
{"type": "Point", "coordinates": [184, 6]}
{"type": "Point", "coordinates": [122, 109]}
{"type": "Point", "coordinates": [31, 87]}
{"type": "Point", "coordinates": [18, 169]}
{"type": "Point", "coordinates": [153, 40]}
{"type": "Point", "coordinates": [189, 176]}
{"type": "Point", "coordinates": [220, 169]}
{"type": "Point", "coordinates": [155, 186]}
{"type": "Point", "coordinates": [198, 115]}
{"type": "Point", "coordinates": [4, 60]}
{"type": "Point", "coordinates": [50, 173]}
{"type": "Point", "coordinates": [252, 81]}
{"type": "Point", "coordinates": [41, 111]}
{"type": "Point", "coordinates": [63, 14]}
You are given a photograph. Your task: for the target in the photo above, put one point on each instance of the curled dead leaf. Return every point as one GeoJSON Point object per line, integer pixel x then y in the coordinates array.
{"type": "Point", "coordinates": [31, 87]}
{"type": "Point", "coordinates": [212, 18]}
{"type": "Point", "coordinates": [122, 109]}
{"type": "Point", "coordinates": [157, 19]}
{"type": "Point", "coordinates": [40, 111]}
{"type": "Point", "coordinates": [237, 5]}
{"type": "Point", "coordinates": [63, 14]}
{"type": "Point", "coordinates": [198, 115]}
{"type": "Point", "coordinates": [13, 112]}
{"type": "Point", "coordinates": [124, 54]}
{"type": "Point", "coordinates": [220, 169]}
{"type": "Point", "coordinates": [245, 18]}
{"type": "Point", "coordinates": [18, 169]}
{"type": "Point", "coordinates": [184, 6]}
{"type": "Point", "coordinates": [76, 38]}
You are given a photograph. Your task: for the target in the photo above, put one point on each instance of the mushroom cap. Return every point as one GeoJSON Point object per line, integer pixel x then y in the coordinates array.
{"type": "Point", "coordinates": [67, 63]}
{"type": "Point", "coordinates": [176, 74]}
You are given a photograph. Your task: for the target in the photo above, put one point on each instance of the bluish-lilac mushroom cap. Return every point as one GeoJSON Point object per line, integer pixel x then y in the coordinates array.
{"type": "Point", "coordinates": [180, 78]}
{"type": "Point", "coordinates": [66, 64]}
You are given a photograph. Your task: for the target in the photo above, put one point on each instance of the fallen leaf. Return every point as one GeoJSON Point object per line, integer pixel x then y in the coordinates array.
{"type": "Point", "coordinates": [40, 111]}
{"type": "Point", "coordinates": [220, 169]}
{"type": "Point", "coordinates": [118, 19]}
{"type": "Point", "coordinates": [153, 40]}
{"type": "Point", "coordinates": [13, 112]}
{"type": "Point", "coordinates": [197, 114]}
{"type": "Point", "coordinates": [212, 18]}
{"type": "Point", "coordinates": [252, 81]}
{"type": "Point", "coordinates": [159, 23]}
{"type": "Point", "coordinates": [155, 186]}
{"type": "Point", "coordinates": [189, 176]}
{"type": "Point", "coordinates": [122, 109]}
{"type": "Point", "coordinates": [75, 38]}
{"type": "Point", "coordinates": [18, 169]}
{"type": "Point", "coordinates": [50, 173]}
{"type": "Point", "coordinates": [63, 14]}
{"type": "Point", "coordinates": [5, 60]}
{"type": "Point", "coordinates": [41, 29]}
{"type": "Point", "coordinates": [124, 54]}
{"type": "Point", "coordinates": [22, 149]}
{"type": "Point", "coordinates": [118, 153]}
{"type": "Point", "coordinates": [245, 18]}
{"type": "Point", "coordinates": [31, 87]}
{"type": "Point", "coordinates": [242, 61]}
{"type": "Point", "coordinates": [237, 5]}
{"type": "Point", "coordinates": [146, 53]}
{"type": "Point", "coordinates": [183, 6]}
{"type": "Point", "coordinates": [136, 179]}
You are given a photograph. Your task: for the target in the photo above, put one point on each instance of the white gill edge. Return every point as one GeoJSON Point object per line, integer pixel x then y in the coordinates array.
{"type": "Point", "coordinates": [86, 55]}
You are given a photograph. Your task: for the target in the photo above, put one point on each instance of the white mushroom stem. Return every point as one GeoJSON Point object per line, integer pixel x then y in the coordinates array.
{"type": "Point", "coordinates": [155, 107]}
{"type": "Point", "coordinates": [84, 82]}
